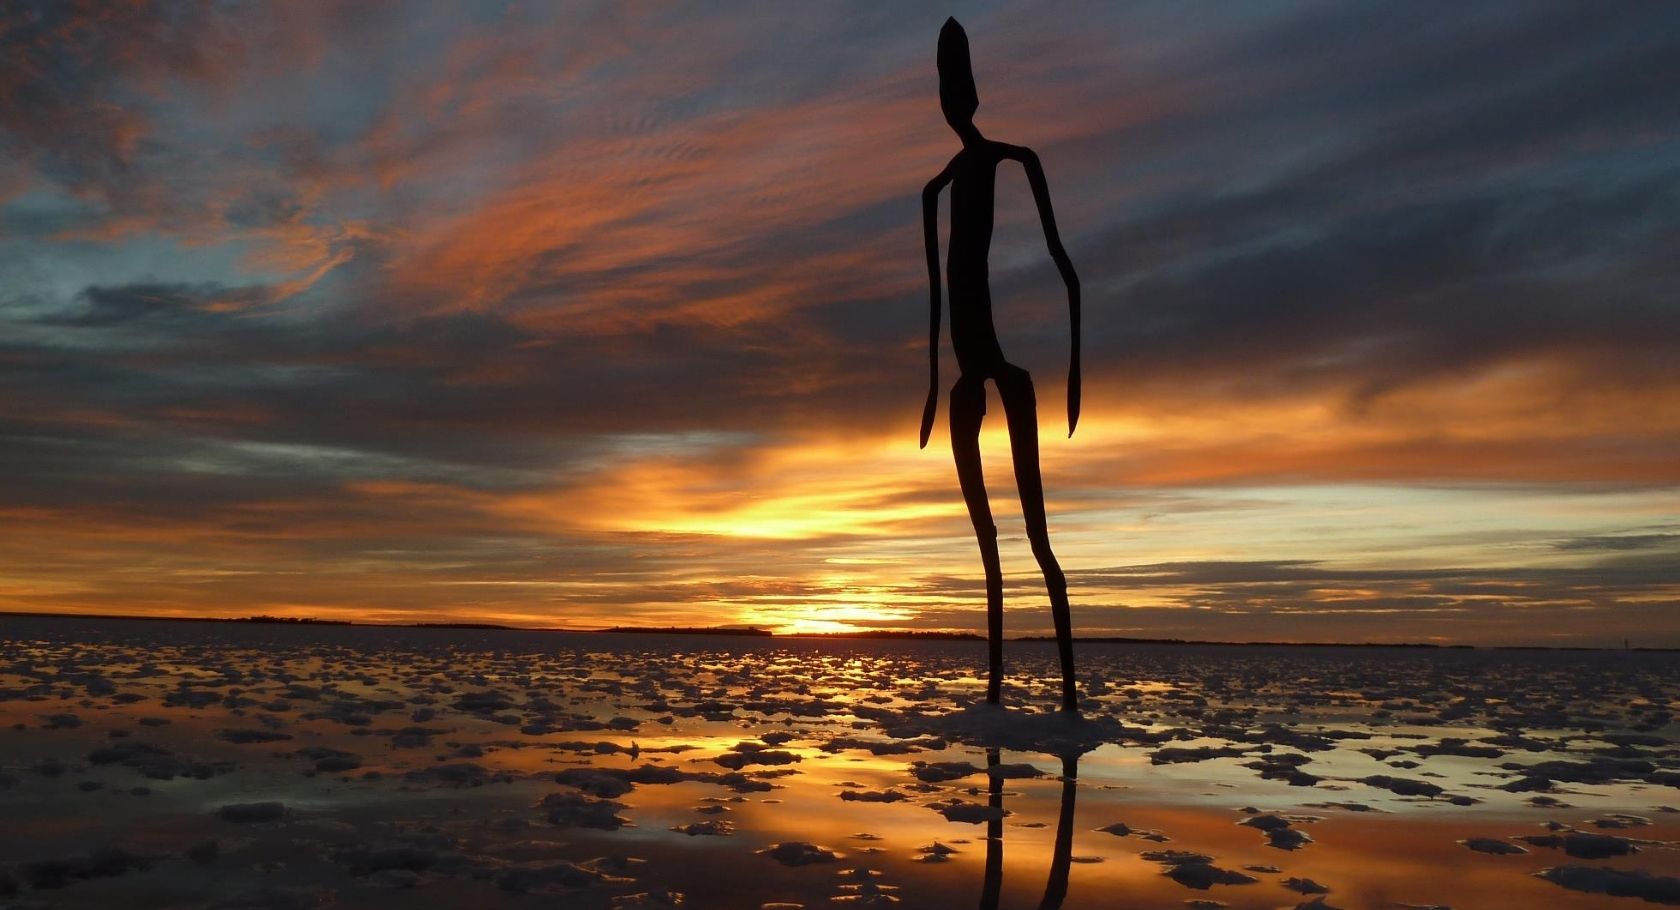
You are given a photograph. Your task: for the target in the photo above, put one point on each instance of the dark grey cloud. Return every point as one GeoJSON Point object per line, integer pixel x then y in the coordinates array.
{"type": "Point", "coordinates": [1234, 600]}
{"type": "Point", "coordinates": [1476, 187]}
{"type": "Point", "coordinates": [1414, 194]}
{"type": "Point", "coordinates": [167, 303]}
{"type": "Point", "coordinates": [1620, 542]}
{"type": "Point", "coordinates": [69, 68]}
{"type": "Point", "coordinates": [1300, 574]}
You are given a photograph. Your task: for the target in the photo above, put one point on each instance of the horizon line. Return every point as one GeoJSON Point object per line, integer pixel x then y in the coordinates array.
{"type": "Point", "coordinates": [757, 632]}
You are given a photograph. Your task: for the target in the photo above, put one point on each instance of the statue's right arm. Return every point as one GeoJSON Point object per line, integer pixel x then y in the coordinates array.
{"type": "Point", "coordinates": [930, 239]}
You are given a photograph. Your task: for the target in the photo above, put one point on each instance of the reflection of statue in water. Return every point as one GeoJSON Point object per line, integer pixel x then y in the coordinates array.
{"type": "Point", "coordinates": [1061, 856]}
{"type": "Point", "coordinates": [972, 175]}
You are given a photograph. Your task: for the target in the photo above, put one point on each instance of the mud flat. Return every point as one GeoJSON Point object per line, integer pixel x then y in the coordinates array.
{"type": "Point", "coordinates": [152, 764]}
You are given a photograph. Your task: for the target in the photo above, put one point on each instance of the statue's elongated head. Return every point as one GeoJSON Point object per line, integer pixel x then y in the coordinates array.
{"type": "Point", "coordinates": [957, 95]}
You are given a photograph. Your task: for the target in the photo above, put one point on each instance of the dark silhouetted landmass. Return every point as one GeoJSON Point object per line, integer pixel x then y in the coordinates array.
{"type": "Point", "coordinates": [1125, 640]}
{"type": "Point", "coordinates": [688, 630]}
{"type": "Point", "coordinates": [751, 632]}
{"type": "Point", "coordinates": [909, 634]}
{"type": "Point", "coordinates": [292, 620]}
{"type": "Point", "coordinates": [274, 620]}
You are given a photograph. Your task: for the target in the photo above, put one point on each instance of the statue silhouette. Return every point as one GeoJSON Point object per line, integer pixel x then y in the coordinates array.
{"type": "Point", "coordinates": [972, 177]}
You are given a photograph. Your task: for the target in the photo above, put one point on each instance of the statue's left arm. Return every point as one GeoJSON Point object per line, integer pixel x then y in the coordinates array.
{"type": "Point", "coordinates": [1053, 239]}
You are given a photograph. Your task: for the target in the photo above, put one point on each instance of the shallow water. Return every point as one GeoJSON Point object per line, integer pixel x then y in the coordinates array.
{"type": "Point", "coordinates": [458, 768]}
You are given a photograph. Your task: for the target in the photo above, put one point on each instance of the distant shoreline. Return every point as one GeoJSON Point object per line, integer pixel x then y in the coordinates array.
{"type": "Point", "coordinates": [754, 632]}
{"type": "Point", "coordinates": [749, 631]}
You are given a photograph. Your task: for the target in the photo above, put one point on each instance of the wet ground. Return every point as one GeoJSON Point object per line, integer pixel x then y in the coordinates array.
{"type": "Point", "coordinates": [161, 764]}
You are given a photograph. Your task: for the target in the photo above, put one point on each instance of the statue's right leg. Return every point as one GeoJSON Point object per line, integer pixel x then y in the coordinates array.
{"type": "Point", "coordinates": [968, 409]}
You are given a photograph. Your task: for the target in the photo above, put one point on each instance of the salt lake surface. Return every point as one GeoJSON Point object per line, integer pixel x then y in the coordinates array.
{"type": "Point", "coordinates": [162, 764]}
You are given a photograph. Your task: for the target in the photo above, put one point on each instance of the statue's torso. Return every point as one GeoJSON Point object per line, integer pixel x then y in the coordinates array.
{"type": "Point", "coordinates": [973, 190]}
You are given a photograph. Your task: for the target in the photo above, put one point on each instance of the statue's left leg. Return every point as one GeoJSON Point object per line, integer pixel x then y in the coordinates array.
{"type": "Point", "coordinates": [1020, 406]}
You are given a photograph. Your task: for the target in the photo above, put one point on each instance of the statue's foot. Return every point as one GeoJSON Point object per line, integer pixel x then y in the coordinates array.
{"type": "Point", "coordinates": [1070, 701]}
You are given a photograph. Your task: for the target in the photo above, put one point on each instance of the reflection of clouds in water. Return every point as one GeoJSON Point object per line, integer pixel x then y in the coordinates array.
{"type": "Point", "coordinates": [624, 767]}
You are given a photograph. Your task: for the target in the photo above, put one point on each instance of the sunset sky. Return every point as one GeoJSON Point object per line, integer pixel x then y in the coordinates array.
{"type": "Point", "coordinates": [590, 314]}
